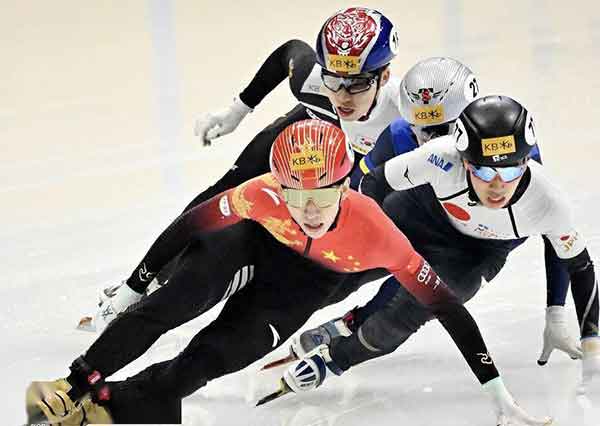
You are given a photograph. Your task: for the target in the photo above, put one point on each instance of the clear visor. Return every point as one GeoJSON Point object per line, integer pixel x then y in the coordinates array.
{"type": "Point", "coordinates": [322, 197]}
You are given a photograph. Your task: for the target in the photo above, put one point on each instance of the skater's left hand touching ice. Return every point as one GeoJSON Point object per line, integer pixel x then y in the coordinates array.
{"type": "Point", "coordinates": [557, 335]}
{"type": "Point", "coordinates": [508, 412]}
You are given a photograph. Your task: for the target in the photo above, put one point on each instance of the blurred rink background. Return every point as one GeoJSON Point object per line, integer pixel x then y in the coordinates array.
{"type": "Point", "coordinates": [98, 101]}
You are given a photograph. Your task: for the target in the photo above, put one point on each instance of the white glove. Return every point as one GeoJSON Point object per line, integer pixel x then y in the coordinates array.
{"type": "Point", "coordinates": [213, 125]}
{"type": "Point", "coordinates": [556, 335]}
{"type": "Point", "coordinates": [310, 372]}
{"type": "Point", "coordinates": [508, 413]}
{"type": "Point", "coordinates": [591, 363]}
{"type": "Point", "coordinates": [113, 300]}
{"type": "Point", "coordinates": [321, 335]}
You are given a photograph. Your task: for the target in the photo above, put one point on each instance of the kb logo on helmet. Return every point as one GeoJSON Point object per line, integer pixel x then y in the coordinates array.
{"type": "Point", "coordinates": [307, 160]}
{"type": "Point", "coordinates": [341, 63]}
{"type": "Point", "coordinates": [498, 146]}
{"type": "Point", "coordinates": [429, 114]}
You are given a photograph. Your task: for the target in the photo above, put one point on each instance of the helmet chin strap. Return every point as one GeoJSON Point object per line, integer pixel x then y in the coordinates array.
{"type": "Point", "coordinates": [473, 197]}
{"type": "Point", "coordinates": [374, 103]}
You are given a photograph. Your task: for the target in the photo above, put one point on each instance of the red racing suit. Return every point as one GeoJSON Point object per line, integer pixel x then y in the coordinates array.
{"type": "Point", "coordinates": [362, 238]}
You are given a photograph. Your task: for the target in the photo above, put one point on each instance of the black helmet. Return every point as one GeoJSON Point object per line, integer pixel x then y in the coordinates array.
{"type": "Point", "coordinates": [495, 131]}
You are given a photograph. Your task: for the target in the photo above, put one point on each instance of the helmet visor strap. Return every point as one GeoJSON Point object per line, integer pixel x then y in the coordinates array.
{"type": "Point", "coordinates": [507, 174]}
{"type": "Point", "coordinates": [353, 85]}
{"type": "Point", "coordinates": [322, 197]}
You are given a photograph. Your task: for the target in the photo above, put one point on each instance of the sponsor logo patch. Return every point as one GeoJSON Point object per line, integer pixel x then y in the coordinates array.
{"type": "Point", "coordinates": [569, 241]}
{"type": "Point", "coordinates": [224, 206]}
{"type": "Point", "coordinates": [498, 146]}
{"type": "Point", "coordinates": [425, 276]}
{"type": "Point", "coordinates": [437, 161]}
{"type": "Point", "coordinates": [343, 63]}
{"type": "Point", "coordinates": [487, 232]}
{"type": "Point", "coordinates": [363, 144]}
{"type": "Point", "coordinates": [307, 160]}
{"type": "Point", "coordinates": [428, 115]}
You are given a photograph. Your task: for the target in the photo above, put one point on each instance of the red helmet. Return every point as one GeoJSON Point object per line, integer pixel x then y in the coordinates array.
{"type": "Point", "coordinates": [311, 154]}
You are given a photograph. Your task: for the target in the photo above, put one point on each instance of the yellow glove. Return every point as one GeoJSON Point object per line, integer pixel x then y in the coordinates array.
{"type": "Point", "coordinates": [49, 402]}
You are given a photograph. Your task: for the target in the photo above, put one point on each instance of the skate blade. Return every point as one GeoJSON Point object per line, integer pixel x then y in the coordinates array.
{"type": "Point", "coordinates": [282, 361]}
{"type": "Point", "coordinates": [86, 324]}
{"type": "Point", "coordinates": [284, 389]}
{"type": "Point", "coordinates": [37, 419]}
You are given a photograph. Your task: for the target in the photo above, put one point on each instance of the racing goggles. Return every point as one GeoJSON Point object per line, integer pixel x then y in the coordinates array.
{"type": "Point", "coordinates": [322, 197]}
{"type": "Point", "coordinates": [507, 174]}
{"type": "Point", "coordinates": [353, 85]}
{"type": "Point", "coordinates": [427, 133]}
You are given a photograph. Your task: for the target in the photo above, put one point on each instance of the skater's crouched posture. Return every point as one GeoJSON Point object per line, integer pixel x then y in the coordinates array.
{"type": "Point", "coordinates": [277, 247]}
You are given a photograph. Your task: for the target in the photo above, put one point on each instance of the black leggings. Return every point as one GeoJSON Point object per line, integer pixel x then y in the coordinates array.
{"type": "Point", "coordinates": [271, 291]}
{"type": "Point", "coordinates": [394, 315]}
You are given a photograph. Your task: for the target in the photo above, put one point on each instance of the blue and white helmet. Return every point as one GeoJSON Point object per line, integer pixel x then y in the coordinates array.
{"type": "Point", "coordinates": [356, 40]}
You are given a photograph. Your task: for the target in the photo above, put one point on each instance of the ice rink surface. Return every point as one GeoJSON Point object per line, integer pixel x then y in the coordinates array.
{"type": "Point", "coordinates": [98, 102]}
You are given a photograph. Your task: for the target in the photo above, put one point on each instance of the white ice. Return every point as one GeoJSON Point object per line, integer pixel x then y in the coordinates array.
{"type": "Point", "coordinates": [97, 108]}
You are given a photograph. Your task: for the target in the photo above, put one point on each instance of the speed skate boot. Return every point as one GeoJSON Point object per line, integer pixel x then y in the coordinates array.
{"type": "Point", "coordinates": [75, 401]}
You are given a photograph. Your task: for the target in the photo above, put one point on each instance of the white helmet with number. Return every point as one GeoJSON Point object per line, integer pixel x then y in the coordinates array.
{"type": "Point", "coordinates": [433, 93]}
